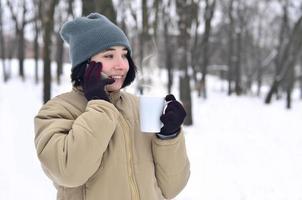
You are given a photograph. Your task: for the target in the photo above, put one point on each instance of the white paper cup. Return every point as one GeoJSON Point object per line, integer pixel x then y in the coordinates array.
{"type": "Point", "coordinates": [151, 108]}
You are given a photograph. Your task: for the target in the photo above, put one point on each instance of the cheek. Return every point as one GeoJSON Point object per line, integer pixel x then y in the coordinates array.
{"type": "Point", "coordinates": [106, 67]}
{"type": "Point", "coordinates": [127, 68]}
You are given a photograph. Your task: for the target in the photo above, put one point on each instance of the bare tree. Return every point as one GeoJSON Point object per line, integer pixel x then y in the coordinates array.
{"type": "Point", "coordinates": [166, 18]}
{"type": "Point", "coordinates": [195, 46]}
{"type": "Point", "coordinates": [47, 16]}
{"type": "Point", "coordinates": [105, 7]}
{"type": "Point", "coordinates": [20, 29]}
{"type": "Point", "coordinates": [88, 6]}
{"type": "Point", "coordinates": [156, 6]}
{"type": "Point", "coordinates": [283, 38]}
{"type": "Point", "coordinates": [239, 30]}
{"type": "Point", "coordinates": [144, 32]}
{"type": "Point", "coordinates": [260, 60]}
{"type": "Point", "coordinates": [2, 45]}
{"type": "Point", "coordinates": [184, 23]}
{"type": "Point", "coordinates": [36, 30]}
{"type": "Point", "coordinates": [59, 50]}
{"type": "Point", "coordinates": [287, 59]}
{"type": "Point", "coordinates": [289, 84]}
{"type": "Point", "coordinates": [122, 11]}
{"type": "Point", "coordinates": [135, 42]}
{"type": "Point", "coordinates": [300, 78]}
{"type": "Point", "coordinates": [228, 7]}
{"type": "Point", "coordinates": [208, 16]}
{"type": "Point", "coordinates": [64, 12]}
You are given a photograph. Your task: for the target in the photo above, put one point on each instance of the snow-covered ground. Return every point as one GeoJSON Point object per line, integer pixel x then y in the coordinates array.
{"type": "Point", "coordinates": [239, 148]}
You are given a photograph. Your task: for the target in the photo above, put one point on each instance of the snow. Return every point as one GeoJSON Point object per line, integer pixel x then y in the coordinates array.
{"type": "Point", "coordinates": [239, 148]}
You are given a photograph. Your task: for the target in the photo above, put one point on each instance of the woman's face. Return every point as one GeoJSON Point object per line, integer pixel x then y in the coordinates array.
{"type": "Point", "coordinates": [115, 65]}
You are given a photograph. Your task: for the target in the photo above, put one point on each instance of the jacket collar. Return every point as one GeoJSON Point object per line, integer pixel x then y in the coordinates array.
{"type": "Point", "coordinates": [114, 97]}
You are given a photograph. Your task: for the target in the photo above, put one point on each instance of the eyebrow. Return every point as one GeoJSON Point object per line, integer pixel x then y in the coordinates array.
{"type": "Point", "coordinates": [112, 49]}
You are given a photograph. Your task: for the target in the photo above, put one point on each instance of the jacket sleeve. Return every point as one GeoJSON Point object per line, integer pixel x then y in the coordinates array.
{"type": "Point", "coordinates": [70, 148]}
{"type": "Point", "coordinates": [172, 166]}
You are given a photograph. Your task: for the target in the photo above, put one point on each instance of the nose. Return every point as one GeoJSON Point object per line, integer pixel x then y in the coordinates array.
{"type": "Point", "coordinates": [120, 62]}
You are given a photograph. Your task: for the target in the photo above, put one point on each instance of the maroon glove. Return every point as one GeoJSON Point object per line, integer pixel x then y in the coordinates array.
{"type": "Point", "coordinates": [94, 84]}
{"type": "Point", "coordinates": [172, 118]}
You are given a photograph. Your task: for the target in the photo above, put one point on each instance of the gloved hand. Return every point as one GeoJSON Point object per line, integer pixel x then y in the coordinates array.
{"type": "Point", "coordinates": [172, 118]}
{"type": "Point", "coordinates": [94, 84]}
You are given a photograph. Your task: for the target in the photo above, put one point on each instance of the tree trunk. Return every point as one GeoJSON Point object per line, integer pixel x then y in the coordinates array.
{"type": "Point", "coordinates": [288, 98]}
{"type": "Point", "coordinates": [208, 16]}
{"type": "Point", "coordinates": [59, 57]}
{"type": "Point", "coordinates": [106, 8]}
{"type": "Point", "coordinates": [20, 28]}
{"type": "Point", "coordinates": [196, 48]}
{"type": "Point", "coordinates": [48, 26]}
{"type": "Point", "coordinates": [238, 87]}
{"type": "Point", "coordinates": [168, 57]}
{"type": "Point", "coordinates": [279, 79]}
{"type": "Point", "coordinates": [258, 54]}
{"type": "Point", "coordinates": [21, 46]}
{"type": "Point", "coordinates": [2, 46]}
{"type": "Point", "coordinates": [122, 12]}
{"type": "Point", "coordinates": [259, 80]}
{"type": "Point", "coordinates": [184, 23]}
{"type": "Point", "coordinates": [300, 80]}
{"type": "Point", "coordinates": [10, 52]}
{"type": "Point", "coordinates": [288, 58]}
{"type": "Point", "coordinates": [289, 87]}
{"type": "Point", "coordinates": [143, 36]}
{"type": "Point", "coordinates": [88, 6]}
{"type": "Point", "coordinates": [272, 90]}
{"type": "Point", "coordinates": [156, 5]}
{"type": "Point", "coordinates": [230, 47]}
{"type": "Point", "coordinates": [282, 49]}
{"type": "Point", "coordinates": [36, 51]}
{"type": "Point", "coordinates": [70, 8]}
{"type": "Point", "coordinates": [185, 96]}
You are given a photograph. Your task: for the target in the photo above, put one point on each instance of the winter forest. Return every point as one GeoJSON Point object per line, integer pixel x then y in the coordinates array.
{"type": "Point", "coordinates": [247, 44]}
{"type": "Point", "coordinates": [236, 65]}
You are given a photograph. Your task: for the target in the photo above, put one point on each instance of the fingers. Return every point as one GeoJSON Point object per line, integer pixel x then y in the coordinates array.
{"type": "Point", "coordinates": [93, 71]}
{"type": "Point", "coordinates": [175, 106]}
{"type": "Point", "coordinates": [168, 117]}
{"type": "Point", "coordinates": [170, 97]}
{"type": "Point", "coordinates": [109, 81]}
{"type": "Point", "coordinates": [172, 106]}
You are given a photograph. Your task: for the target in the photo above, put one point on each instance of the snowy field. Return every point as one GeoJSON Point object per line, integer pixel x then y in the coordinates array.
{"type": "Point", "coordinates": [239, 148]}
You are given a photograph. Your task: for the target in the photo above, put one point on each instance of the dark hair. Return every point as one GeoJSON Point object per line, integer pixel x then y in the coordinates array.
{"type": "Point", "coordinates": [77, 73]}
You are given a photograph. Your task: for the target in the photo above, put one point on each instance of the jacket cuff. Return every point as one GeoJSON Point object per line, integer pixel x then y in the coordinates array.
{"type": "Point", "coordinates": [167, 137]}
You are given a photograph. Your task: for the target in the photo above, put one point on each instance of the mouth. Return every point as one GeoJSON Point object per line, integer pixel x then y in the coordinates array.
{"type": "Point", "coordinates": [116, 77]}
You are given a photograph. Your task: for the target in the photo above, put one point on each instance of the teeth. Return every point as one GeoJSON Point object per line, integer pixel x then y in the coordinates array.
{"type": "Point", "coordinates": [116, 77]}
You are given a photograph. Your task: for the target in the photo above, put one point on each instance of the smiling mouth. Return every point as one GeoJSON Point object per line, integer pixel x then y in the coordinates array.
{"type": "Point", "coordinates": [116, 77]}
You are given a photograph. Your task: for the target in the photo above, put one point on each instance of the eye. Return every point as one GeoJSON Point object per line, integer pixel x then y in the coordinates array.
{"type": "Point", "coordinates": [124, 55]}
{"type": "Point", "coordinates": [108, 56]}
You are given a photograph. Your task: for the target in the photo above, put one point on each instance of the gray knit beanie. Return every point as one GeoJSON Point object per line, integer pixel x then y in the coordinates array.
{"type": "Point", "coordinates": [90, 35]}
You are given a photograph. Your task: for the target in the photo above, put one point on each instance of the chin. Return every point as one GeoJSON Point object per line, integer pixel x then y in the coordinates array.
{"type": "Point", "coordinates": [114, 88]}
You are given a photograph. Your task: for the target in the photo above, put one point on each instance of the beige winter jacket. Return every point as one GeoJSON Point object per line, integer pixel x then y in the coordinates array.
{"type": "Point", "coordinates": [95, 151]}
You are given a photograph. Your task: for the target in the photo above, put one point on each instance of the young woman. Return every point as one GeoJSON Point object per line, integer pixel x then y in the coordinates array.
{"type": "Point", "coordinates": [89, 140]}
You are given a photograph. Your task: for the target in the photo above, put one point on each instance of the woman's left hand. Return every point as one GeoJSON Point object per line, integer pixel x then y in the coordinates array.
{"type": "Point", "coordinates": [173, 116]}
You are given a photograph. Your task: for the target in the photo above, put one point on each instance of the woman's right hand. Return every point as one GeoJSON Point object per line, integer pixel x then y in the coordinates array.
{"type": "Point", "coordinates": [94, 84]}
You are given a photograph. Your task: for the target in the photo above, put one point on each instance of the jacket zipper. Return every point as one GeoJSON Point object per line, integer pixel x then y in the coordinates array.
{"type": "Point", "coordinates": [133, 184]}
